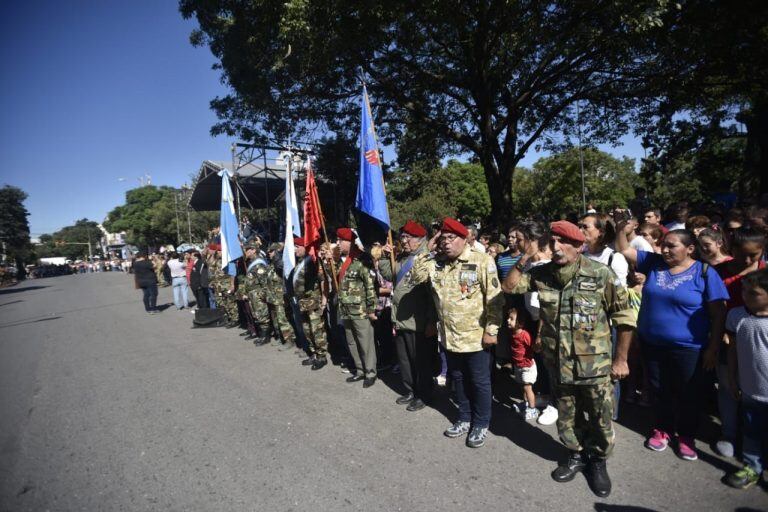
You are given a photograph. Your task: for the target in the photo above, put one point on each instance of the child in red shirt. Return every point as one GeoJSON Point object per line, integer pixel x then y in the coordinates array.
{"type": "Point", "coordinates": [522, 359]}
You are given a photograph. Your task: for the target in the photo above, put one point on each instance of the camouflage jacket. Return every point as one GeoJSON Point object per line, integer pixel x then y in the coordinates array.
{"type": "Point", "coordinates": [275, 293]}
{"type": "Point", "coordinates": [219, 280]}
{"type": "Point", "coordinates": [357, 291]}
{"type": "Point", "coordinates": [576, 318]}
{"type": "Point", "coordinates": [307, 285]}
{"type": "Point", "coordinates": [467, 296]}
{"type": "Point", "coordinates": [412, 306]}
{"type": "Point", "coordinates": [254, 283]}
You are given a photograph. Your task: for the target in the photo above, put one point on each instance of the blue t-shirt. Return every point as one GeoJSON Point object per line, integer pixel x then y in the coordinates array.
{"type": "Point", "coordinates": [674, 308]}
{"type": "Point", "coordinates": [505, 261]}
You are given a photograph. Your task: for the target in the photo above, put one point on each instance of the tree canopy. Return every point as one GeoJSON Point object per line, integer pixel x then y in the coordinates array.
{"type": "Point", "coordinates": [14, 226]}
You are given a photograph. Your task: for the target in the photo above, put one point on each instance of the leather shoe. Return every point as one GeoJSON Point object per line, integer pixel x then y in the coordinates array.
{"type": "Point", "coordinates": [597, 478]}
{"type": "Point", "coordinates": [260, 341]}
{"type": "Point", "coordinates": [308, 361]}
{"type": "Point", "coordinates": [404, 399]}
{"type": "Point", "coordinates": [355, 378]}
{"type": "Point", "coordinates": [232, 324]}
{"type": "Point", "coordinates": [319, 363]}
{"type": "Point", "coordinates": [369, 381]}
{"type": "Point", "coordinates": [566, 471]}
{"type": "Point", "coordinates": [416, 405]}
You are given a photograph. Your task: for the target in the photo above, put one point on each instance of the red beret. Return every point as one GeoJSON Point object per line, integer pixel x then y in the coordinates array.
{"type": "Point", "coordinates": [214, 247]}
{"type": "Point", "coordinates": [345, 234]}
{"type": "Point", "coordinates": [414, 229]}
{"type": "Point", "coordinates": [453, 226]}
{"type": "Point", "coordinates": [298, 242]}
{"type": "Point", "coordinates": [568, 230]}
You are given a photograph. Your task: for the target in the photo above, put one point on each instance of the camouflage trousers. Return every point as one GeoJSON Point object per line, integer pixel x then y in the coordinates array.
{"type": "Point", "coordinates": [255, 323]}
{"type": "Point", "coordinates": [228, 303]}
{"type": "Point", "coordinates": [584, 418]}
{"type": "Point", "coordinates": [314, 330]}
{"type": "Point", "coordinates": [281, 324]}
{"type": "Point", "coordinates": [259, 309]}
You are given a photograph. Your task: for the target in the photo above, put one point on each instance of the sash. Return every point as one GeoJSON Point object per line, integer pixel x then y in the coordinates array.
{"type": "Point", "coordinates": [256, 262]}
{"type": "Point", "coordinates": [405, 268]}
{"type": "Point", "coordinates": [354, 252]}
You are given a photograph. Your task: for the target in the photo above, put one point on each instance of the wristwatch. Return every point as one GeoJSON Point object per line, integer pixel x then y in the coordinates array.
{"type": "Point", "coordinates": [520, 265]}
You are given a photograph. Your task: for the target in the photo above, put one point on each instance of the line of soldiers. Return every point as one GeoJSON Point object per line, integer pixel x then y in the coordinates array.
{"type": "Point", "coordinates": [446, 288]}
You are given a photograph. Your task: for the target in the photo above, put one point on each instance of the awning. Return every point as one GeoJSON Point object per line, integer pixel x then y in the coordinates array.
{"type": "Point", "coordinates": [258, 187]}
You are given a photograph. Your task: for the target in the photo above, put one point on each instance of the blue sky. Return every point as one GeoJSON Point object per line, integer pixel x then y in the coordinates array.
{"type": "Point", "coordinates": [94, 91]}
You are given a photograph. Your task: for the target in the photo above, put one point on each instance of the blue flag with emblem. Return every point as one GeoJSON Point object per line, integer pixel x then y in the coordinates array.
{"type": "Point", "coordinates": [230, 230]}
{"type": "Point", "coordinates": [371, 199]}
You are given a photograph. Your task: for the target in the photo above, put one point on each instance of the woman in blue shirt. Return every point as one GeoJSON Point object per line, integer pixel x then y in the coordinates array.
{"type": "Point", "coordinates": [680, 325]}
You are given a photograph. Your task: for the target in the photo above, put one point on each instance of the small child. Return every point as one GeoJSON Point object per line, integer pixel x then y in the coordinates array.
{"type": "Point", "coordinates": [522, 358]}
{"type": "Point", "coordinates": [748, 371]}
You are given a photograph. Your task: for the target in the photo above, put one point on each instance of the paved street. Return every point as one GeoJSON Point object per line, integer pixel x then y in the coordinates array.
{"type": "Point", "coordinates": [106, 408]}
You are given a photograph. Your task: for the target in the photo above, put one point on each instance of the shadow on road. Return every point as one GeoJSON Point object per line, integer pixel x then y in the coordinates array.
{"type": "Point", "coordinates": [25, 322]}
{"type": "Point", "coordinates": [12, 302]}
{"type": "Point", "coordinates": [606, 507]}
{"type": "Point", "coordinates": [6, 291]}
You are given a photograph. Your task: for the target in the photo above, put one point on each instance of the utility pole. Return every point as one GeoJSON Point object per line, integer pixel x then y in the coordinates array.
{"type": "Point", "coordinates": [176, 209]}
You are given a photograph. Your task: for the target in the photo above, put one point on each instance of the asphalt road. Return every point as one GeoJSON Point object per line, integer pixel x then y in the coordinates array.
{"type": "Point", "coordinates": [103, 407]}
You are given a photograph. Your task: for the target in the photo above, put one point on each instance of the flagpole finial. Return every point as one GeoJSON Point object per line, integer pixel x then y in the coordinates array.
{"type": "Point", "coordinates": [361, 75]}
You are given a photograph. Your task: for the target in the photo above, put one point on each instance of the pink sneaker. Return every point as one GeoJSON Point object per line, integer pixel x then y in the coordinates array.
{"type": "Point", "coordinates": [658, 441]}
{"type": "Point", "coordinates": [686, 448]}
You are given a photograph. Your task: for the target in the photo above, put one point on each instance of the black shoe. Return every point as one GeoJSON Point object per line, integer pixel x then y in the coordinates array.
{"type": "Point", "coordinates": [404, 399]}
{"type": "Point", "coordinates": [308, 361]}
{"type": "Point", "coordinates": [230, 325]}
{"type": "Point", "coordinates": [369, 381]}
{"type": "Point", "coordinates": [598, 479]}
{"type": "Point", "coordinates": [356, 377]}
{"type": "Point", "coordinates": [319, 363]}
{"type": "Point", "coordinates": [416, 405]}
{"type": "Point", "coordinates": [250, 337]}
{"type": "Point", "coordinates": [260, 341]}
{"type": "Point", "coordinates": [246, 333]}
{"type": "Point", "coordinates": [566, 471]}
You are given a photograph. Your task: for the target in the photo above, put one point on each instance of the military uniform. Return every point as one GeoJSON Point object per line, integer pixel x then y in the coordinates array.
{"type": "Point", "coordinates": [275, 297]}
{"type": "Point", "coordinates": [357, 300]}
{"type": "Point", "coordinates": [254, 287]}
{"type": "Point", "coordinates": [468, 299]}
{"type": "Point", "coordinates": [578, 303]}
{"type": "Point", "coordinates": [221, 282]}
{"type": "Point", "coordinates": [309, 295]}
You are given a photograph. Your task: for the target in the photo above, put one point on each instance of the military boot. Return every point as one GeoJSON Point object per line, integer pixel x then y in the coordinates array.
{"type": "Point", "coordinates": [308, 361]}
{"type": "Point", "coordinates": [597, 477]}
{"type": "Point", "coordinates": [566, 471]}
{"type": "Point", "coordinates": [319, 363]}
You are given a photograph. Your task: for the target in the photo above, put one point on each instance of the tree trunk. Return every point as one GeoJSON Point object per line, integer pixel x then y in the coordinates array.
{"type": "Point", "coordinates": [756, 154]}
{"type": "Point", "coordinates": [499, 181]}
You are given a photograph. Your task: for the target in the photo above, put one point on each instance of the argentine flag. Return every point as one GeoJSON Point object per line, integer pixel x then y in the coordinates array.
{"type": "Point", "coordinates": [230, 229]}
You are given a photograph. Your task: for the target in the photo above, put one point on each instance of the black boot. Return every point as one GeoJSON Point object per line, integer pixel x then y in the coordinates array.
{"type": "Point", "coordinates": [308, 361]}
{"type": "Point", "coordinates": [597, 477]}
{"type": "Point", "coordinates": [319, 363]}
{"type": "Point", "coordinates": [566, 471]}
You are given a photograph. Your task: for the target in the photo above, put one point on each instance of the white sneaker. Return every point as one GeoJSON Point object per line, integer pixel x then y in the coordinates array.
{"type": "Point", "coordinates": [531, 413]}
{"type": "Point", "coordinates": [548, 416]}
{"type": "Point", "coordinates": [724, 447]}
{"type": "Point", "coordinates": [441, 380]}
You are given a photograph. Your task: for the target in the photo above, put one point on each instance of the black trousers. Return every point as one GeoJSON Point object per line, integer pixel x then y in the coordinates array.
{"type": "Point", "coordinates": [150, 297]}
{"type": "Point", "coordinates": [201, 296]}
{"type": "Point", "coordinates": [416, 355]}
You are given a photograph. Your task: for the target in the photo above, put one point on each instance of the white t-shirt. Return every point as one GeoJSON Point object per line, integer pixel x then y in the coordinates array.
{"type": "Point", "coordinates": [640, 244]}
{"type": "Point", "coordinates": [675, 225]}
{"type": "Point", "coordinates": [477, 245]}
{"type": "Point", "coordinates": [618, 262]}
{"type": "Point", "coordinates": [751, 350]}
{"type": "Point", "coordinates": [177, 268]}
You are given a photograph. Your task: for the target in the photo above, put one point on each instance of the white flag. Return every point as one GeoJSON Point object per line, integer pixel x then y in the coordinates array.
{"type": "Point", "coordinates": [292, 225]}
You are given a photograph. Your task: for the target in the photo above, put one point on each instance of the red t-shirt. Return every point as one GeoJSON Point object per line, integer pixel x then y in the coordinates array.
{"type": "Point", "coordinates": [733, 283]}
{"type": "Point", "coordinates": [522, 349]}
{"type": "Point", "coordinates": [190, 268]}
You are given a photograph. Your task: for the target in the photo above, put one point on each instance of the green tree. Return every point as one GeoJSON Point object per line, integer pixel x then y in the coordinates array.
{"type": "Point", "coordinates": [75, 238]}
{"type": "Point", "coordinates": [556, 182]}
{"type": "Point", "coordinates": [14, 227]}
{"type": "Point", "coordinates": [491, 79]}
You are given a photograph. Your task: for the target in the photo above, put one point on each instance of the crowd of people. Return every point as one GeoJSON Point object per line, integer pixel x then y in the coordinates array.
{"type": "Point", "coordinates": [583, 313]}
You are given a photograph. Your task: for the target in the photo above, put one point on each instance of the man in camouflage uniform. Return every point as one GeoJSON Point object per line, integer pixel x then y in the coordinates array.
{"type": "Point", "coordinates": [223, 285]}
{"type": "Point", "coordinates": [254, 292]}
{"type": "Point", "coordinates": [357, 307]}
{"type": "Point", "coordinates": [468, 299]}
{"type": "Point", "coordinates": [276, 298]}
{"type": "Point", "coordinates": [579, 300]}
{"type": "Point", "coordinates": [309, 295]}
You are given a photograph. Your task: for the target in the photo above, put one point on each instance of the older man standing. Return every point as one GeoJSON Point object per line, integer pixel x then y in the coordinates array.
{"type": "Point", "coordinates": [412, 309]}
{"type": "Point", "coordinates": [467, 296]}
{"type": "Point", "coordinates": [307, 287]}
{"type": "Point", "coordinates": [579, 300]}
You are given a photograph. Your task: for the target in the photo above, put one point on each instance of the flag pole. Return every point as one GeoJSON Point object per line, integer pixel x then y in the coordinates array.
{"type": "Point", "coordinates": [383, 184]}
{"type": "Point", "coordinates": [325, 232]}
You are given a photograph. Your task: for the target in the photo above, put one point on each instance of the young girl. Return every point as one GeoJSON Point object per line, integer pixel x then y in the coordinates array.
{"type": "Point", "coordinates": [522, 358]}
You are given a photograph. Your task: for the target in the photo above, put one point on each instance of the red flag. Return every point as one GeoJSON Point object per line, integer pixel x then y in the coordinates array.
{"type": "Point", "coordinates": [312, 215]}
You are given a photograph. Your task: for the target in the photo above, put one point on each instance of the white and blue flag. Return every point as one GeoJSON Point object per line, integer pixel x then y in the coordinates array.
{"type": "Point", "coordinates": [230, 229]}
{"type": "Point", "coordinates": [292, 224]}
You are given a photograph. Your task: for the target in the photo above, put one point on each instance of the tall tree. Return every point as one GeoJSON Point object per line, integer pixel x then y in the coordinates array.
{"type": "Point", "coordinates": [14, 227]}
{"type": "Point", "coordinates": [487, 78]}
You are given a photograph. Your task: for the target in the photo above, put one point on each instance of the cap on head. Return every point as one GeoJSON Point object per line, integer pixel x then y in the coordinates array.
{"type": "Point", "coordinates": [567, 230]}
{"type": "Point", "coordinates": [414, 229]}
{"type": "Point", "coordinates": [273, 247]}
{"type": "Point", "coordinates": [453, 226]}
{"type": "Point", "coordinates": [345, 234]}
{"type": "Point", "coordinates": [298, 242]}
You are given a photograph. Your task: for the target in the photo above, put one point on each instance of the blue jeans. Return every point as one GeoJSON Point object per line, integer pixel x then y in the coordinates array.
{"type": "Point", "coordinates": [755, 433]}
{"type": "Point", "coordinates": [728, 407]}
{"type": "Point", "coordinates": [149, 297]}
{"type": "Point", "coordinates": [180, 292]}
{"type": "Point", "coordinates": [676, 380]}
{"type": "Point", "coordinates": [471, 376]}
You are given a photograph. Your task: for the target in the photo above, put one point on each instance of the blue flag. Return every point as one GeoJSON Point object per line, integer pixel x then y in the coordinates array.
{"type": "Point", "coordinates": [371, 198]}
{"type": "Point", "coordinates": [230, 230]}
